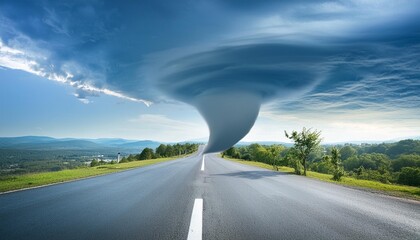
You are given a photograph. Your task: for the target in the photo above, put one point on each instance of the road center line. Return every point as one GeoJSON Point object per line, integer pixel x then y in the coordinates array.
{"type": "Point", "coordinates": [202, 163]}
{"type": "Point", "coordinates": [196, 225]}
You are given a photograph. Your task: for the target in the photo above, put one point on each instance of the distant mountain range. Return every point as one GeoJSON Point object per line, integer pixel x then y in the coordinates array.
{"type": "Point", "coordinates": [49, 143]}
{"type": "Point", "coordinates": [117, 144]}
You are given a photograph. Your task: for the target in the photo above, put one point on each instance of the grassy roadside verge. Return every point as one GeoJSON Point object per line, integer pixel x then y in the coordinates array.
{"type": "Point", "coordinates": [372, 186]}
{"type": "Point", "coordinates": [16, 182]}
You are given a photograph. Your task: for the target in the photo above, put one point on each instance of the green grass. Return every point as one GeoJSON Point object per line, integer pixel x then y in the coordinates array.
{"type": "Point", "coordinates": [389, 189]}
{"type": "Point", "coordinates": [15, 182]}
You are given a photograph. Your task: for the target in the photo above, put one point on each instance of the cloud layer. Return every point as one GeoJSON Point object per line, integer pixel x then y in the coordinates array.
{"type": "Point", "coordinates": [300, 57]}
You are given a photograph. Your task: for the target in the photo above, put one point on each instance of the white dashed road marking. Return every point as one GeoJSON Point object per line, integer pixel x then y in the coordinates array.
{"type": "Point", "coordinates": [202, 164]}
{"type": "Point", "coordinates": [196, 225]}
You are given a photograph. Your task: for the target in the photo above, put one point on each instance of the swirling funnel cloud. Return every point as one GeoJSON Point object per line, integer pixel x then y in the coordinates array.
{"type": "Point", "coordinates": [229, 117]}
{"type": "Point", "coordinates": [228, 85]}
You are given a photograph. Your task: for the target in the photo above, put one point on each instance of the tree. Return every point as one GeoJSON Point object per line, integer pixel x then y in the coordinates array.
{"type": "Point", "coordinates": [406, 160]}
{"type": "Point", "coordinates": [336, 162]}
{"type": "Point", "coordinates": [274, 152]}
{"type": "Point", "coordinates": [161, 151]}
{"type": "Point", "coordinates": [408, 146]}
{"type": "Point", "coordinates": [347, 152]}
{"type": "Point", "coordinates": [232, 152]}
{"type": "Point", "coordinates": [304, 143]}
{"type": "Point", "coordinates": [94, 163]}
{"type": "Point", "coordinates": [409, 176]}
{"type": "Point", "coordinates": [147, 153]}
{"type": "Point", "coordinates": [124, 160]}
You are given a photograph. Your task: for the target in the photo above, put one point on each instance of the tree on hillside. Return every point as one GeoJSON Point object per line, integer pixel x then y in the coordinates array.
{"type": "Point", "coordinates": [147, 153]}
{"type": "Point", "coordinates": [161, 151]}
{"type": "Point", "coordinates": [406, 160]}
{"type": "Point", "coordinates": [336, 162]}
{"type": "Point", "coordinates": [410, 176]}
{"type": "Point", "coordinates": [304, 143]}
{"type": "Point", "coordinates": [232, 152]}
{"type": "Point", "coordinates": [94, 163]}
{"type": "Point", "coordinates": [274, 152]}
{"type": "Point", "coordinates": [347, 152]}
{"type": "Point", "coordinates": [408, 146]}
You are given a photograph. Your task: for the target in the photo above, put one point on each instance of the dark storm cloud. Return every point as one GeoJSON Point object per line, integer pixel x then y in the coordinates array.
{"type": "Point", "coordinates": [330, 56]}
{"type": "Point", "coordinates": [266, 69]}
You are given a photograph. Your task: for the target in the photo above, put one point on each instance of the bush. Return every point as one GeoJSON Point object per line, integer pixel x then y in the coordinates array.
{"type": "Point", "coordinates": [322, 167]}
{"type": "Point", "coordinates": [94, 163]}
{"type": "Point", "coordinates": [147, 153]}
{"type": "Point", "coordinates": [369, 174]}
{"type": "Point", "coordinates": [338, 173]}
{"type": "Point", "coordinates": [409, 176]}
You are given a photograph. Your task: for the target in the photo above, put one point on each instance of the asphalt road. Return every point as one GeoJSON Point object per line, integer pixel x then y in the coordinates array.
{"type": "Point", "coordinates": [239, 202]}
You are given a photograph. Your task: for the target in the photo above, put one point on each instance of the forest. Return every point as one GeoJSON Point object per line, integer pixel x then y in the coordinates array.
{"type": "Point", "coordinates": [162, 151]}
{"type": "Point", "coordinates": [393, 163]}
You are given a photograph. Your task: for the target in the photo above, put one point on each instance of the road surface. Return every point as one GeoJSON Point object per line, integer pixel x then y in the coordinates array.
{"type": "Point", "coordinates": [220, 199]}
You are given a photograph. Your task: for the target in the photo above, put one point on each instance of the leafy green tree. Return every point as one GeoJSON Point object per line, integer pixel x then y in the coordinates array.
{"type": "Point", "coordinates": [378, 148]}
{"type": "Point", "coordinates": [274, 152]}
{"type": "Point", "coordinates": [323, 166]}
{"type": "Point", "coordinates": [347, 152]}
{"type": "Point", "coordinates": [132, 157]}
{"type": "Point", "coordinates": [253, 149]}
{"type": "Point", "coordinates": [304, 143]}
{"type": "Point", "coordinates": [336, 162]}
{"type": "Point", "coordinates": [232, 152]}
{"type": "Point", "coordinates": [261, 155]}
{"type": "Point", "coordinates": [170, 151]}
{"type": "Point", "coordinates": [406, 160]}
{"type": "Point", "coordinates": [410, 176]}
{"type": "Point", "coordinates": [335, 165]}
{"type": "Point", "coordinates": [161, 151]}
{"type": "Point", "coordinates": [94, 163]}
{"type": "Point", "coordinates": [408, 146]}
{"type": "Point", "coordinates": [372, 161]}
{"type": "Point", "coordinates": [147, 153]}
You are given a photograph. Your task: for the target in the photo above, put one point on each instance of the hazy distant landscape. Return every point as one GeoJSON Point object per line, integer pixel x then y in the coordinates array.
{"type": "Point", "coordinates": [36, 154]}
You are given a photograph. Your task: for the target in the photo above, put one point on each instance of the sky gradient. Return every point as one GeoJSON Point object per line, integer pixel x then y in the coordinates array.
{"type": "Point", "coordinates": [143, 71]}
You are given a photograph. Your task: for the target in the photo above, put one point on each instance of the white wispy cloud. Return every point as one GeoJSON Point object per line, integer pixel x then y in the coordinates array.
{"type": "Point", "coordinates": [17, 59]}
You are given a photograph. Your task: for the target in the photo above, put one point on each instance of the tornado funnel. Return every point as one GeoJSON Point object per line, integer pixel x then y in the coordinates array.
{"type": "Point", "coordinates": [229, 116]}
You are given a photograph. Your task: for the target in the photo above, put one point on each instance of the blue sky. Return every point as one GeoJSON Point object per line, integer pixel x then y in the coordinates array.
{"type": "Point", "coordinates": [154, 69]}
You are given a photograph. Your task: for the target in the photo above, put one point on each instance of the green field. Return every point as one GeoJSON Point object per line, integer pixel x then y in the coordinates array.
{"type": "Point", "coordinates": [15, 182]}
{"type": "Point", "coordinates": [389, 189]}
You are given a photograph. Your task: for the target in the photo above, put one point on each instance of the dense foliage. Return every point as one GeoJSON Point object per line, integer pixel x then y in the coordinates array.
{"type": "Point", "coordinates": [397, 162]}
{"type": "Point", "coordinates": [305, 143]}
{"type": "Point", "coordinates": [164, 150]}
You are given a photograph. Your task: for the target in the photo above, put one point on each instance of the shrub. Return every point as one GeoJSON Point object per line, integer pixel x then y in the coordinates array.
{"type": "Point", "coordinates": [409, 176]}
{"type": "Point", "coordinates": [338, 173]}
{"type": "Point", "coordinates": [94, 163]}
